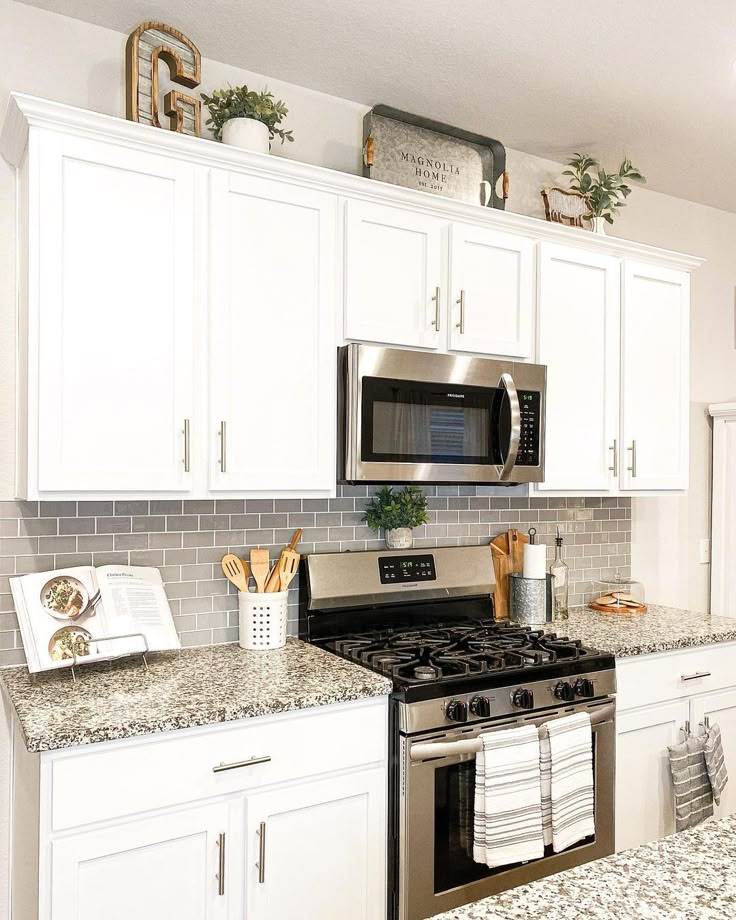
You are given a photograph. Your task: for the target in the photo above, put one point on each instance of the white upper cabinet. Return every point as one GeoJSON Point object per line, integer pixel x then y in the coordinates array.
{"type": "Point", "coordinates": [273, 365]}
{"type": "Point", "coordinates": [110, 319]}
{"type": "Point", "coordinates": [579, 302]}
{"type": "Point", "coordinates": [393, 275]}
{"type": "Point", "coordinates": [656, 358]}
{"type": "Point", "coordinates": [491, 291]}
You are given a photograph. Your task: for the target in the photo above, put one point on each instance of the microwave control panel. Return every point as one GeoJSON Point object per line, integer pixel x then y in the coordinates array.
{"type": "Point", "coordinates": [396, 569]}
{"type": "Point", "coordinates": [530, 403]}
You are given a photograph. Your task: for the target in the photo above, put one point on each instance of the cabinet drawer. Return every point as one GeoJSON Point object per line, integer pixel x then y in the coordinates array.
{"type": "Point", "coordinates": [129, 777]}
{"type": "Point", "coordinates": [672, 675]}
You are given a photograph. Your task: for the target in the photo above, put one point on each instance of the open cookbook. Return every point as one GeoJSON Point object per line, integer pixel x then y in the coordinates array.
{"type": "Point", "coordinates": [77, 614]}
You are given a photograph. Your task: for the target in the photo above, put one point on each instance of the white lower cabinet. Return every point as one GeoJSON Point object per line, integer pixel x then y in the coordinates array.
{"type": "Point", "coordinates": [658, 695]}
{"type": "Point", "coordinates": [284, 817]}
{"type": "Point", "coordinates": [317, 851]}
{"type": "Point", "coordinates": [167, 866]}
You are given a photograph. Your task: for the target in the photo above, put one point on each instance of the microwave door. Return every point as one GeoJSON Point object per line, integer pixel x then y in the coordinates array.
{"type": "Point", "coordinates": [507, 419]}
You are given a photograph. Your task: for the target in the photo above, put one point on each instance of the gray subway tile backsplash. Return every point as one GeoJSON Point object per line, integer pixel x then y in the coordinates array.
{"type": "Point", "coordinates": [186, 539]}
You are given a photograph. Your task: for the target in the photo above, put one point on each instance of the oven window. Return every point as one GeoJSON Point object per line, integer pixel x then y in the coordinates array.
{"type": "Point", "coordinates": [453, 827]}
{"type": "Point", "coordinates": [409, 422]}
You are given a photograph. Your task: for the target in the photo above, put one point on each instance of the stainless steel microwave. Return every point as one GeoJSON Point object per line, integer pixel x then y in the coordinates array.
{"type": "Point", "coordinates": [410, 416]}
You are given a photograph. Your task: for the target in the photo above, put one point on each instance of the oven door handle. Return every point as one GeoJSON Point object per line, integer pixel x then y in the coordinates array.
{"type": "Point", "coordinates": [429, 750]}
{"type": "Point", "coordinates": [507, 382]}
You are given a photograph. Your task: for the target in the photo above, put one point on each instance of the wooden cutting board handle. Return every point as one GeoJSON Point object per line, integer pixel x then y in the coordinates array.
{"type": "Point", "coordinates": [507, 550]}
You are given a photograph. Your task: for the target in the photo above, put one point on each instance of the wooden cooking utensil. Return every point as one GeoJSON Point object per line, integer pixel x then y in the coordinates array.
{"type": "Point", "coordinates": [259, 568]}
{"type": "Point", "coordinates": [507, 550]}
{"type": "Point", "coordinates": [288, 567]}
{"type": "Point", "coordinates": [236, 571]}
{"type": "Point", "coordinates": [273, 579]}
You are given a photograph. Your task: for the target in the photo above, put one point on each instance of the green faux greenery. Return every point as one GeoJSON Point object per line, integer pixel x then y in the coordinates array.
{"type": "Point", "coordinates": [389, 509]}
{"type": "Point", "coordinates": [241, 102]}
{"type": "Point", "coordinates": [604, 192]}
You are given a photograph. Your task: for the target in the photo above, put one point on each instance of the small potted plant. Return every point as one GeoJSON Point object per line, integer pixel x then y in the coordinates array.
{"type": "Point", "coordinates": [604, 192]}
{"type": "Point", "coordinates": [244, 118]}
{"type": "Point", "coordinates": [397, 513]}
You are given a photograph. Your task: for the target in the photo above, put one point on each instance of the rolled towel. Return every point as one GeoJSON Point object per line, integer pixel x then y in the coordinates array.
{"type": "Point", "coordinates": [693, 794]}
{"type": "Point", "coordinates": [571, 779]}
{"type": "Point", "coordinates": [510, 803]}
{"type": "Point", "coordinates": [715, 763]}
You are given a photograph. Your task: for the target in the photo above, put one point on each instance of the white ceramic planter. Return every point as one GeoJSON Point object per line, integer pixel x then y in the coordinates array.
{"type": "Point", "coordinates": [399, 538]}
{"type": "Point", "coordinates": [246, 133]}
{"type": "Point", "coordinates": [598, 225]}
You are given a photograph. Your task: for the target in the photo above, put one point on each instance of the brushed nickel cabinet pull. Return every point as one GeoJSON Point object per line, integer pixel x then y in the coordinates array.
{"type": "Point", "coordinates": [185, 432]}
{"type": "Point", "coordinates": [614, 448]}
{"type": "Point", "coordinates": [461, 324]}
{"type": "Point", "coordinates": [632, 468]}
{"type": "Point", "coordinates": [262, 852]}
{"type": "Point", "coordinates": [436, 299]}
{"type": "Point", "coordinates": [223, 447]}
{"type": "Point", "coordinates": [221, 865]}
{"type": "Point", "coordinates": [696, 676]}
{"type": "Point", "coordinates": [237, 764]}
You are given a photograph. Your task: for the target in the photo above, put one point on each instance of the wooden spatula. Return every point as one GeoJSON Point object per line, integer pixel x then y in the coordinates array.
{"type": "Point", "coordinates": [259, 568]}
{"type": "Point", "coordinates": [236, 571]}
{"type": "Point", "coordinates": [273, 579]}
{"type": "Point", "coordinates": [288, 567]}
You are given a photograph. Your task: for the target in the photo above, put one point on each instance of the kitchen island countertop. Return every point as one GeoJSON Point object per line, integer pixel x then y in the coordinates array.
{"type": "Point", "coordinates": [688, 876]}
{"type": "Point", "coordinates": [660, 629]}
{"type": "Point", "coordinates": [181, 689]}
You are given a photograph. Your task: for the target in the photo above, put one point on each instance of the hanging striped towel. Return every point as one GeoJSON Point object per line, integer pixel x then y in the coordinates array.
{"type": "Point", "coordinates": [545, 767]}
{"type": "Point", "coordinates": [693, 794]}
{"type": "Point", "coordinates": [715, 763]}
{"type": "Point", "coordinates": [508, 813]}
{"type": "Point", "coordinates": [572, 797]}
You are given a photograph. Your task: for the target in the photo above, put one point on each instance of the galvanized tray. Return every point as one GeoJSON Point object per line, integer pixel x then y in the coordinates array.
{"type": "Point", "coordinates": [429, 156]}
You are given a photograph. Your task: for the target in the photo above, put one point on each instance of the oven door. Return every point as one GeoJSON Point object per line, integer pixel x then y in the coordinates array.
{"type": "Point", "coordinates": [413, 417]}
{"type": "Point", "coordinates": [436, 871]}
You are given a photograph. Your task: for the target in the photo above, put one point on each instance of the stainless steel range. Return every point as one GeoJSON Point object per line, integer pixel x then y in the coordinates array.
{"type": "Point", "coordinates": [424, 618]}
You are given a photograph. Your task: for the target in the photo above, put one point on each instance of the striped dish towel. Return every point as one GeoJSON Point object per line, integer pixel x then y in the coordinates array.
{"type": "Point", "coordinates": [508, 813]}
{"type": "Point", "coordinates": [693, 794]}
{"type": "Point", "coordinates": [545, 767]}
{"type": "Point", "coordinates": [572, 800]}
{"type": "Point", "coordinates": [715, 763]}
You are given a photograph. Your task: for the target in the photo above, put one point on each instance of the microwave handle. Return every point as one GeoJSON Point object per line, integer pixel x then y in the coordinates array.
{"type": "Point", "coordinates": [507, 382]}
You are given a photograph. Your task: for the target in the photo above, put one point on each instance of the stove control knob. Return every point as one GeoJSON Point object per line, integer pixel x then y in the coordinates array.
{"type": "Point", "coordinates": [584, 687]}
{"type": "Point", "coordinates": [564, 691]}
{"type": "Point", "coordinates": [457, 711]}
{"type": "Point", "coordinates": [523, 698]}
{"type": "Point", "coordinates": [480, 706]}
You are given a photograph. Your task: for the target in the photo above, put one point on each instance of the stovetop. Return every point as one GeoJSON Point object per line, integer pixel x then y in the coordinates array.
{"type": "Point", "coordinates": [444, 658]}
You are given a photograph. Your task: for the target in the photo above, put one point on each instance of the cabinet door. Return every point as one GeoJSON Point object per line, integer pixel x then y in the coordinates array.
{"type": "Point", "coordinates": [578, 306]}
{"type": "Point", "coordinates": [167, 866]}
{"type": "Point", "coordinates": [111, 304]}
{"type": "Point", "coordinates": [492, 291]}
{"type": "Point", "coordinates": [644, 798]}
{"type": "Point", "coordinates": [317, 851]}
{"type": "Point", "coordinates": [720, 707]}
{"type": "Point", "coordinates": [393, 271]}
{"type": "Point", "coordinates": [655, 367]}
{"type": "Point", "coordinates": [273, 362]}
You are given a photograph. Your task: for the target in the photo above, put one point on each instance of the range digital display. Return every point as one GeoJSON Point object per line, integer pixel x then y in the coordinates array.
{"type": "Point", "coordinates": [395, 569]}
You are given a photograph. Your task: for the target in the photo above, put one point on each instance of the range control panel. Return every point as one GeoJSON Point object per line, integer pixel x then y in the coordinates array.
{"type": "Point", "coordinates": [395, 569]}
{"type": "Point", "coordinates": [530, 402]}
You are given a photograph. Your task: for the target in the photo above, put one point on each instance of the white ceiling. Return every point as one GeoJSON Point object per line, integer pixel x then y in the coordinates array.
{"type": "Point", "coordinates": [650, 78]}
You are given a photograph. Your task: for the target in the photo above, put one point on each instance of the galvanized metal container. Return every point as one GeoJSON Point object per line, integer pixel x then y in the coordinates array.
{"type": "Point", "coordinates": [530, 600]}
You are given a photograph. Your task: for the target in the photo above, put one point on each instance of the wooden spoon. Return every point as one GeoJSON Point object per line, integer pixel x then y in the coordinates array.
{"type": "Point", "coordinates": [273, 579]}
{"type": "Point", "coordinates": [236, 571]}
{"type": "Point", "coordinates": [288, 567]}
{"type": "Point", "coordinates": [259, 568]}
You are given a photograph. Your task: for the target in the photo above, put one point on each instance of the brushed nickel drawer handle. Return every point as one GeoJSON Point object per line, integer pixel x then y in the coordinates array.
{"type": "Point", "coordinates": [237, 764]}
{"type": "Point", "coordinates": [223, 447]}
{"type": "Point", "coordinates": [696, 675]}
{"type": "Point", "coordinates": [436, 299]}
{"type": "Point", "coordinates": [632, 468]}
{"type": "Point", "coordinates": [262, 853]}
{"type": "Point", "coordinates": [461, 324]}
{"type": "Point", "coordinates": [614, 448]}
{"type": "Point", "coordinates": [185, 432]}
{"type": "Point", "coordinates": [221, 865]}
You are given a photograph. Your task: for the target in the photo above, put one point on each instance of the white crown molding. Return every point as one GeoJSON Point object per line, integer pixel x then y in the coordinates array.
{"type": "Point", "coordinates": [25, 112]}
{"type": "Point", "coordinates": [723, 410]}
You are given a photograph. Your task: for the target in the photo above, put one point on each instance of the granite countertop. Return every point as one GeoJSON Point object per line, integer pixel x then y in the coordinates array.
{"type": "Point", "coordinates": [688, 876]}
{"type": "Point", "coordinates": [660, 629]}
{"type": "Point", "coordinates": [182, 689]}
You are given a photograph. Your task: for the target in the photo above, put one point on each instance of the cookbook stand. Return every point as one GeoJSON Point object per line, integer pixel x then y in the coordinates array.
{"type": "Point", "coordinates": [87, 659]}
